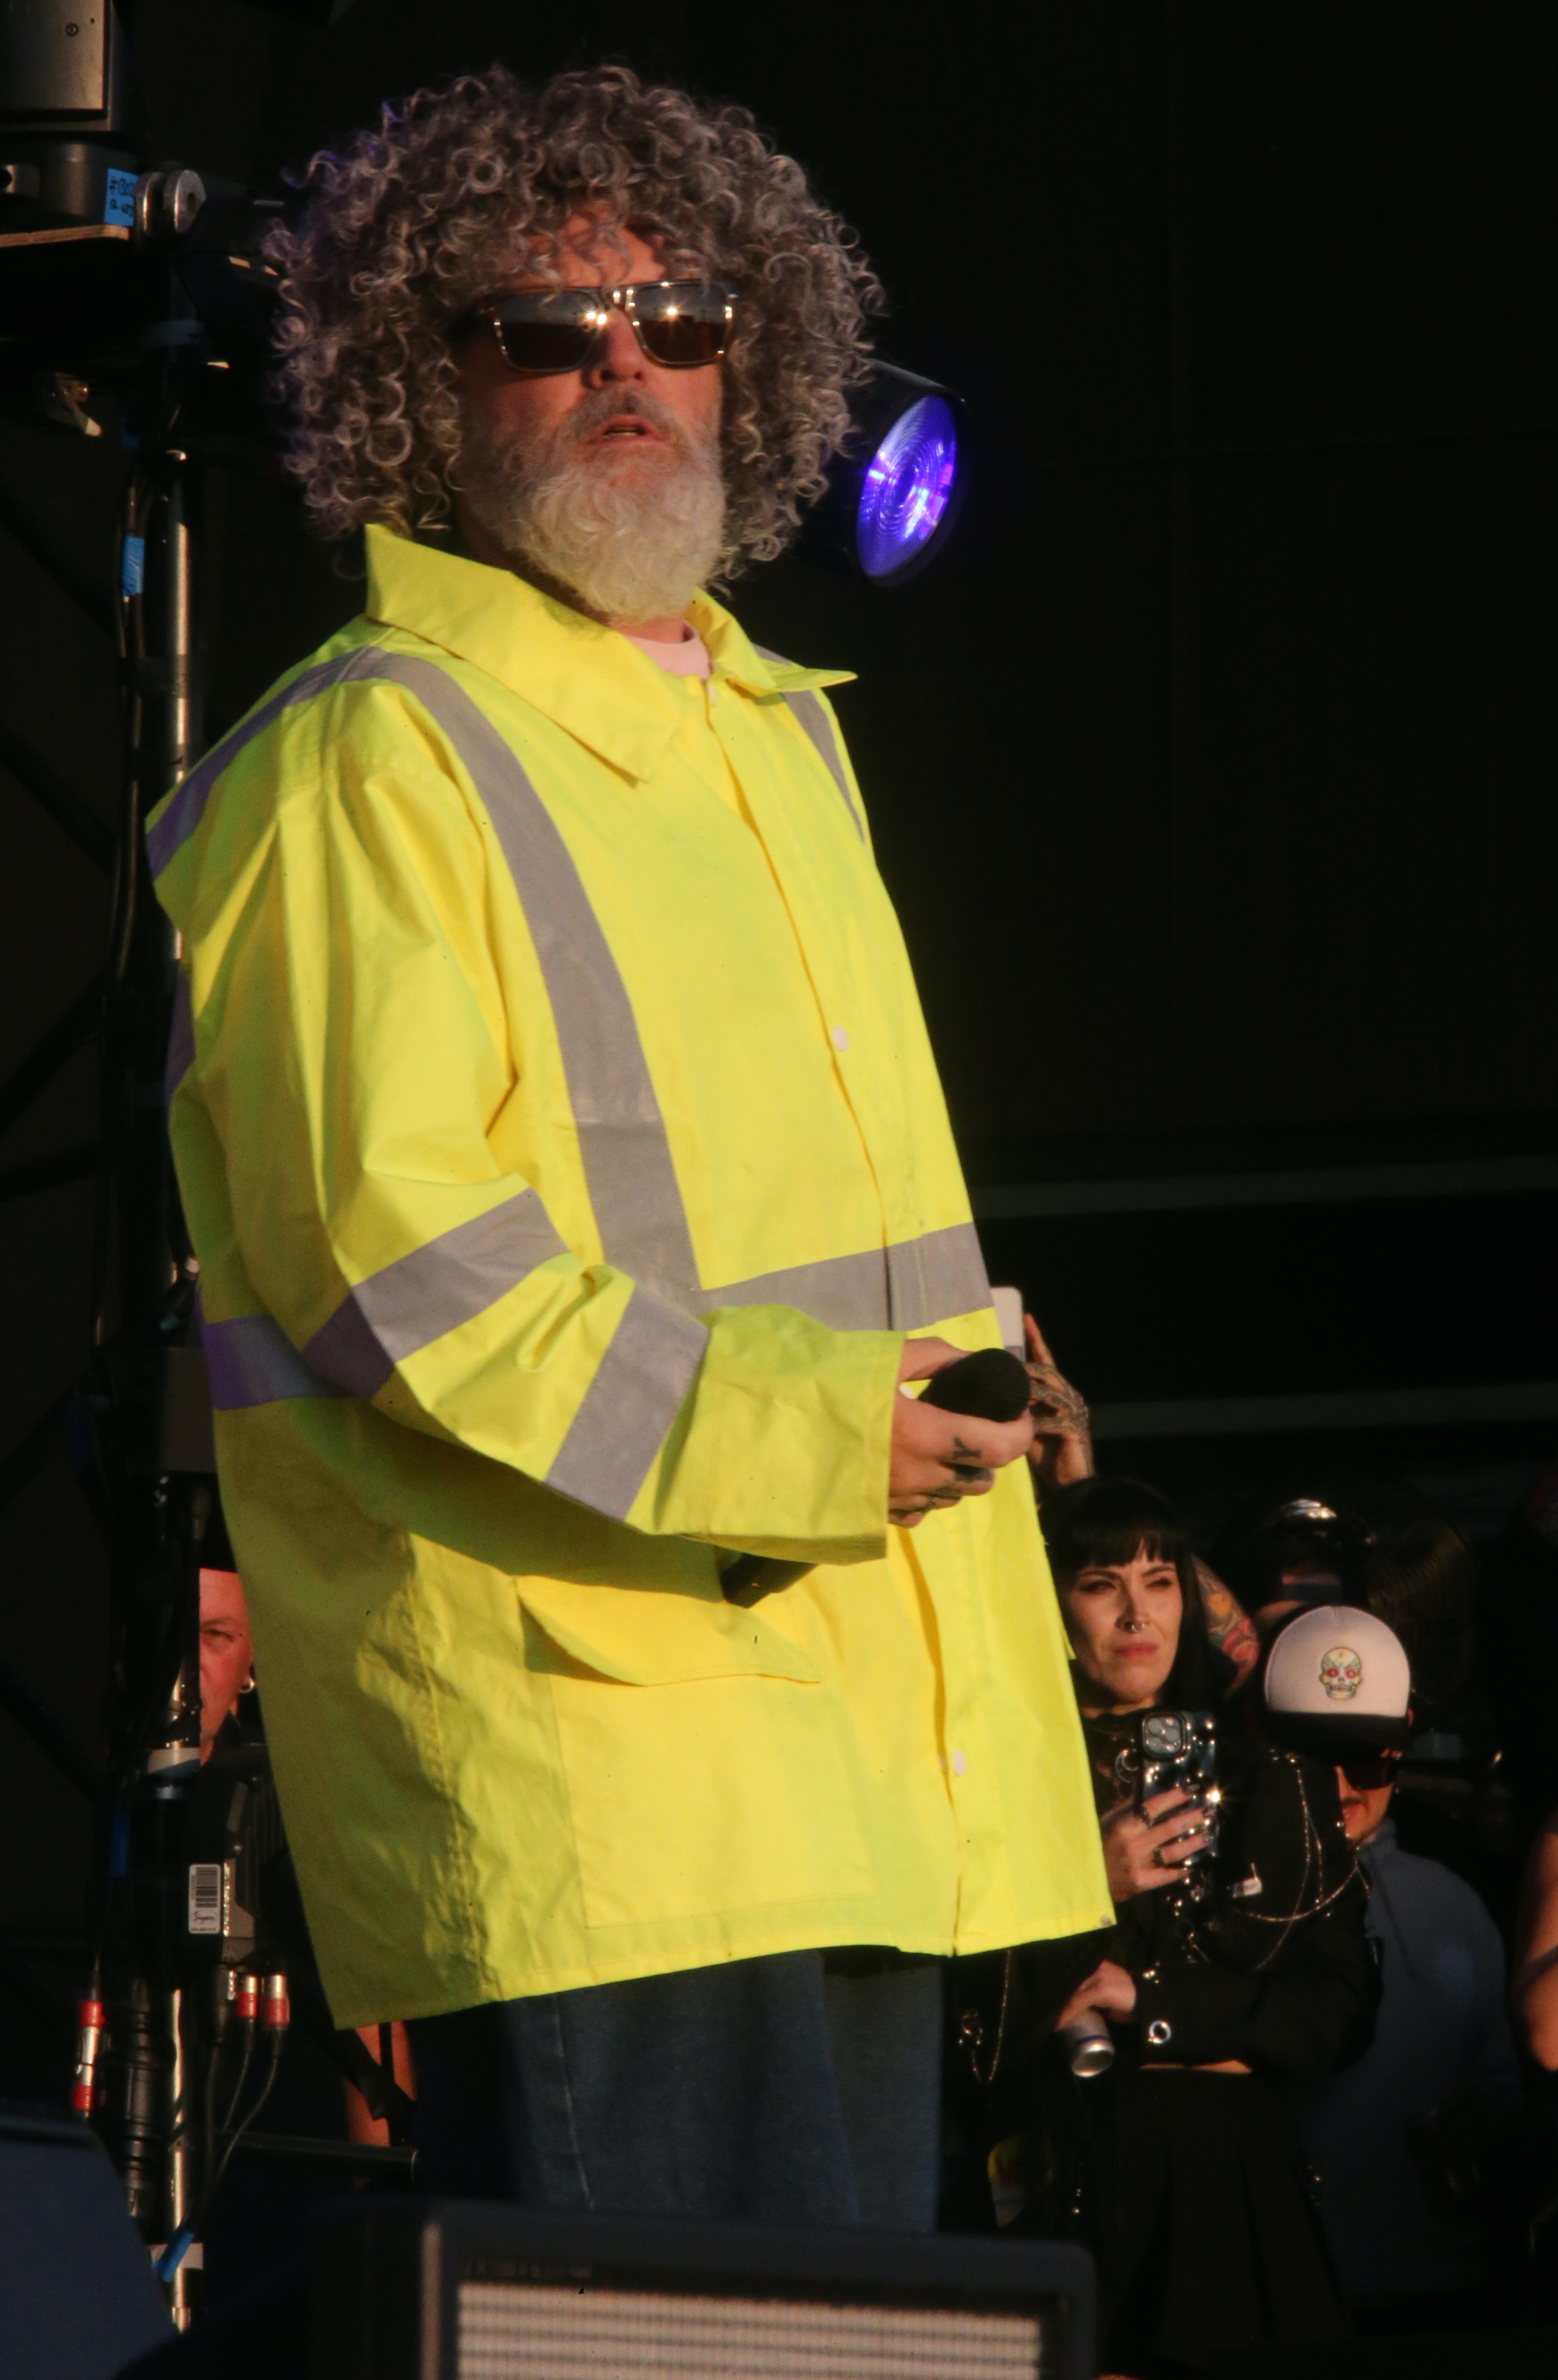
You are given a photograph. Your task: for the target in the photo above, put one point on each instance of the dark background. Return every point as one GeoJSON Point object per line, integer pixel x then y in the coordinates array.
{"type": "Point", "coordinates": [1212, 768]}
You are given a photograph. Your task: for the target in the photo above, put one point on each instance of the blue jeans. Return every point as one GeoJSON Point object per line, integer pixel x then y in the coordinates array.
{"type": "Point", "coordinates": [773, 2090]}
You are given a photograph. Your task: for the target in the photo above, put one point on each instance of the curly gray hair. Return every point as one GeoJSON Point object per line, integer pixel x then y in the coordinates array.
{"type": "Point", "coordinates": [407, 229]}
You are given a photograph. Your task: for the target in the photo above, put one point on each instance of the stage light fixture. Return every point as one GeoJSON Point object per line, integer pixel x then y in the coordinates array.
{"type": "Point", "coordinates": [895, 493]}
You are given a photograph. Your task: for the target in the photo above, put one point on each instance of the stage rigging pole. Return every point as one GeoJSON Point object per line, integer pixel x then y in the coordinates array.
{"type": "Point", "coordinates": [147, 2067]}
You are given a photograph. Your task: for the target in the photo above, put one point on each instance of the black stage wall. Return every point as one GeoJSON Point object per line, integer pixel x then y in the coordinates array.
{"type": "Point", "coordinates": [1211, 769]}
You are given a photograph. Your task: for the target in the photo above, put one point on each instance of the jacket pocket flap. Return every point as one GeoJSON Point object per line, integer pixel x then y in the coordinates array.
{"type": "Point", "coordinates": [643, 1636]}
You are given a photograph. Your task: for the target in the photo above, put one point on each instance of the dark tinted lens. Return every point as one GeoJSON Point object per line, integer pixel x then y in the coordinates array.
{"type": "Point", "coordinates": [1367, 1770]}
{"type": "Point", "coordinates": [682, 323]}
{"type": "Point", "coordinates": [548, 331]}
{"type": "Point", "coordinates": [546, 346]}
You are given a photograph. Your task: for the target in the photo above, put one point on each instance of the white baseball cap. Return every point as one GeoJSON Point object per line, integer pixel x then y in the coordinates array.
{"type": "Point", "coordinates": [1338, 1676]}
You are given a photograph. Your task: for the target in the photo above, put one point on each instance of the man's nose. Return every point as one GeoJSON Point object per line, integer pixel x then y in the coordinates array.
{"type": "Point", "coordinates": [618, 355]}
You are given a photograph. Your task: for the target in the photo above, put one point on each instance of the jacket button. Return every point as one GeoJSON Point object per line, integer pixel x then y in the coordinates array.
{"type": "Point", "coordinates": [1160, 2031]}
{"type": "Point", "coordinates": [841, 1038]}
{"type": "Point", "coordinates": [959, 1764]}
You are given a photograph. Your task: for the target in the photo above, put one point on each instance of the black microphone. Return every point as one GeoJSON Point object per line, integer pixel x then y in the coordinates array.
{"type": "Point", "coordinates": [993, 1386]}
{"type": "Point", "coordinates": [989, 1385]}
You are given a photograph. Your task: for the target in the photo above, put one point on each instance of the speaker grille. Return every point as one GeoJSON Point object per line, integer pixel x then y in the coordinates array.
{"type": "Point", "coordinates": [523, 2331]}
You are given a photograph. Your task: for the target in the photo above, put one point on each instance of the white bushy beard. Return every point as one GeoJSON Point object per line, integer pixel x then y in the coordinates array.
{"type": "Point", "coordinates": [631, 537]}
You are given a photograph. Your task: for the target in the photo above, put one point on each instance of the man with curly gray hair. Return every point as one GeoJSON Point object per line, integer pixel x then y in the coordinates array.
{"type": "Point", "coordinates": [574, 1194]}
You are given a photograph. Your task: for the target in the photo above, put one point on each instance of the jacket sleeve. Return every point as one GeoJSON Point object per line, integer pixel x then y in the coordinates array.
{"type": "Point", "coordinates": [1291, 1996]}
{"type": "Point", "coordinates": [1306, 2017]}
{"type": "Point", "coordinates": [368, 1061]}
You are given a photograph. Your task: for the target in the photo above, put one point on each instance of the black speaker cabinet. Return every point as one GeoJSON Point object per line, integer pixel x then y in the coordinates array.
{"type": "Point", "coordinates": [452, 2290]}
{"type": "Point", "coordinates": [77, 2296]}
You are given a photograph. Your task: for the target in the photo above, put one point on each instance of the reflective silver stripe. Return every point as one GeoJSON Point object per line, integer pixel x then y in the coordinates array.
{"type": "Point", "coordinates": [899, 1288]}
{"type": "Point", "coordinates": [622, 1138]}
{"type": "Point", "coordinates": [181, 1038]}
{"type": "Point", "coordinates": [654, 1355]}
{"type": "Point", "coordinates": [187, 808]}
{"type": "Point", "coordinates": [941, 1273]}
{"type": "Point", "coordinates": [629, 1406]}
{"type": "Point", "coordinates": [819, 727]}
{"type": "Point", "coordinates": [847, 1292]}
{"type": "Point", "coordinates": [252, 1362]}
{"type": "Point", "coordinates": [439, 1285]}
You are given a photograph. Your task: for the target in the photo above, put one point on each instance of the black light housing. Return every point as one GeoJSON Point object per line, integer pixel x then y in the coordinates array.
{"type": "Point", "coordinates": [895, 493]}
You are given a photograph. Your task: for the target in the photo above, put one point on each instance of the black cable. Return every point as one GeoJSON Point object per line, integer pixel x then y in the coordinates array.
{"type": "Point", "coordinates": [234, 2137]}
{"type": "Point", "coordinates": [213, 2062]}
{"type": "Point", "coordinates": [189, 2229]}
{"type": "Point", "coordinates": [244, 2064]}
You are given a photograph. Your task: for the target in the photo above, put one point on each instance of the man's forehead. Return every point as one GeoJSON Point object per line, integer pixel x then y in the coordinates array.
{"type": "Point", "coordinates": [222, 1597]}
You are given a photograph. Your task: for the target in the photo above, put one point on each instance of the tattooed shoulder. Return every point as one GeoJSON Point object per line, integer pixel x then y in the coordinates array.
{"type": "Point", "coordinates": [1228, 1625]}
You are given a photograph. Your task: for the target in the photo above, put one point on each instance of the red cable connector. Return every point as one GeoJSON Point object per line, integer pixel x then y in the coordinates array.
{"type": "Point", "coordinates": [88, 2040]}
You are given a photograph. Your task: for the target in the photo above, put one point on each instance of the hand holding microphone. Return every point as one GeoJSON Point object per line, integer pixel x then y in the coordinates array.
{"type": "Point", "coordinates": [947, 1443]}
{"type": "Point", "coordinates": [968, 1424]}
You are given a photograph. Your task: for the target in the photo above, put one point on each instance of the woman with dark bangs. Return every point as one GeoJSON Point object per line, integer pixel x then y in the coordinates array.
{"type": "Point", "coordinates": [1205, 2233]}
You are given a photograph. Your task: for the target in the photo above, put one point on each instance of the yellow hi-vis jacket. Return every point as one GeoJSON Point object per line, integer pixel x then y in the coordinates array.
{"type": "Point", "coordinates": [565, 1158]}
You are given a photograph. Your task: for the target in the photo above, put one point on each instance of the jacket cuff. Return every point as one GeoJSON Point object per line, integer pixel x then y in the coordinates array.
{"type": "Point", "coordinates": [1193, 2016]}
{"type": "Point", "coordinates": [784, 1442]}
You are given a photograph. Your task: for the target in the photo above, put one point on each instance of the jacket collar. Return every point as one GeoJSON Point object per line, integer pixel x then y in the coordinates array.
{"type": "Point", "coordinates": [595, 685]}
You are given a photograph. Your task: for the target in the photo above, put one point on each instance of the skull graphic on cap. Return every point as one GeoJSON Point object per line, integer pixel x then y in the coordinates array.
{"type": "Point", "coordinates": [1341, 1673]}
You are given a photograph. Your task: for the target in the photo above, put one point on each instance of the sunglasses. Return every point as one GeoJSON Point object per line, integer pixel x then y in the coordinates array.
{"type": "Point", "coordinates": [1367, 1770]}
{"type": "Point", "coordinates": [680, 324]}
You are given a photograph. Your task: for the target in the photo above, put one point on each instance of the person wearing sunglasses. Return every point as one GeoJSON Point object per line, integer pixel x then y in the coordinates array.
{"type": "Point", "coordinates": [1417, 2148]}
{"type": "Point", "coordinates": [590, 460]}
{"type": "Point", "coordinates": [1238, 1961]}
{"type": "Point", "coordinates": [573, 1193]}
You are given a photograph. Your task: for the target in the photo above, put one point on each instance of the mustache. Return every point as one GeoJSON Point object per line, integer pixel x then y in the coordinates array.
{"type": "Point", "coordinates": [602, 405]}
{"type": "Point", "coordinates": [629, 544]}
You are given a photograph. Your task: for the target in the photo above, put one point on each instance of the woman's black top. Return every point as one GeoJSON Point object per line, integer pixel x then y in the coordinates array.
{"type": "Point", "coordinates": [1190, 2186]}
{"type": "Point", "coordinates": [1273, 1968]}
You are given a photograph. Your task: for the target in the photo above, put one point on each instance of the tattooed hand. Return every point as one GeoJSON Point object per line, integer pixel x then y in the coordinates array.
{"type": "Point", "coordinates": [1062, 1448]}
{"type": "Point", "coordinates": [1145, 1850]}
{"type": "Point", "coordinates": [1228, 1625]}
{"type": "Point", "coordinates": [938, 1457]}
